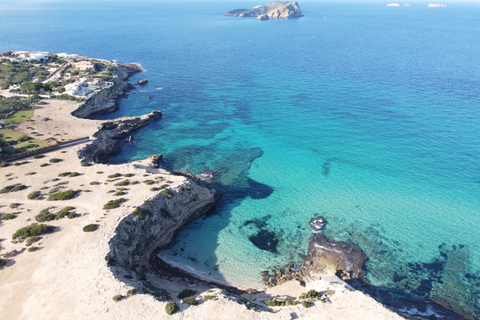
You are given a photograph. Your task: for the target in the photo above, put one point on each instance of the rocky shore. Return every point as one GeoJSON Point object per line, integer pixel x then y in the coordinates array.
{"type": "Point", "coordinates": [101, 261]}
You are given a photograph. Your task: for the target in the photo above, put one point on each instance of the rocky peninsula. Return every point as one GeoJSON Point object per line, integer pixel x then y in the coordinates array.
{"type": "Point", "coordinates": [79, 236]}
{"type": "Point", "coordinates": [272, 10]}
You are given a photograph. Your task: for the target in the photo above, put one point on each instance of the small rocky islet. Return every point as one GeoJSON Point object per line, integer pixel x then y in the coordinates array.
{"type": "Point", "coordinates": [272, 10]}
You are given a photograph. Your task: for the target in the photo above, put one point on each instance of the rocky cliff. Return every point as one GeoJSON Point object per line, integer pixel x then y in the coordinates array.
{"type": "Point", "coordinates": [105, 100]}
{"type": "Point", "coordinates": [152, 225]}
{"type": "Point", "coordinates": [275, 10]}
{"type": "Point", "coordinates": [110, 137]}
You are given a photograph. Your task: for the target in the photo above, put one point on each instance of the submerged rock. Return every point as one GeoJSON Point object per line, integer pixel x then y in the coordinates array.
{"type": "Point", "coordinates": [317, 224]}
{"type": "Point", "coordinates": [275, 10]}
{"type": "Point", "coordinates": [345, 257]}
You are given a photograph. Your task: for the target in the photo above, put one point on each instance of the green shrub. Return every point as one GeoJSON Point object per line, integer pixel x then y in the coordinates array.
{"type": "Point", "coordinates": [90, 228]}
{"type": "Point", "coordinates": [167, 193]}
{"type": "Point", "coordinates": [141, 213]}
{"type": "Point", "coordinates": [55, 160]}
{"type": "Point", "coordinates": [85, 164]}
{"type": "Point", "coordinates": [69, 174]}
{"type": "Point", "coordinates": [44, 216]}
{"type": "Point", "coordinates": [94, 183]}
{"type": "Point", "coordinates": [99, 172]}
{"type": "Point", "coordinates": [306, 304]}
{"type": "Point", "coordinates": [186, 293]}
{"type": "Point", "coordinates": [33, 249]}
{"type": "Point", "coordinates": [72, 215]}
{"type": "Point", "coordinates": [149, 182]}
{"type": "Point", "coordinates": [128, 175]}
{"type": "Point", "coordinates": [44, 164]}
{"type": "Point", "coordinates": [120, 193]}
{"type": "Point", "coordinates": [32, 230]}
{"type": "Point", "coordinates": [4, 164]}
{"type": "Point", "coordinates": [33, 240]}
{"type": "Point", "coordinates": [206, 298]}
{"type": "Point", "coordinates": [131, 292]}
{"type": "Point", "coordinates": [171, 308]}
{"type": "Point", "coordinates": [15, 205]}
{"type": "Point", "coordinates": [312, 294]}
{"type": "Point", "coordinates": [112, 204]}
{"type": "Point", "coordinates": [63, 195]}
{"type": "Point", "coordinates": [154, 189]}
{"type": "Point", "coordinates": [122, 183]}
{"type": "Point", "coordinates": [117, 297]}
{"type": "Point", "coordinates": [23, 138]}
{"type": "Point", "coordinates": [64, 212]}
{"type": "Point", "coordinates": [115, 175]}
{"type": "Point", "coordinates": [8, 216]}
{"type": "Point", "coordinates": [35, 195]}
{"type": "Point", "coordinates": [38, 156]}
{"type": "Point", "coordinates": [30, 173]}
{"type": "Point", "coordinates": [191, 300]}
{"type": "Point", "coordinates": [13, 188]}
{"type": "Point", "coordinates": [275, 303]}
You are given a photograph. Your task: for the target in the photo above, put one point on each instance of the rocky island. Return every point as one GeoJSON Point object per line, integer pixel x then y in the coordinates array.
{"type": "Point", "coordinates": [79, 237]}
{"type": "Point", "coordinates": [273, 10]}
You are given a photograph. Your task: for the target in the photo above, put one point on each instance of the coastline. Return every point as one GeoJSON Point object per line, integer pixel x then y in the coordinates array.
{"type": "Point", "coordinates": [69, 270]}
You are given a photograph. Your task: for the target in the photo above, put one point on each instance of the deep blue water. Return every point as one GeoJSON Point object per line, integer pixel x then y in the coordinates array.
{"type": "Point", "coordinates": [366, 114]}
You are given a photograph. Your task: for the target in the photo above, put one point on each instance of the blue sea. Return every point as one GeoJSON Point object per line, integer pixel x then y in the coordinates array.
{"type": "Point", "coordinates": [365, 114]}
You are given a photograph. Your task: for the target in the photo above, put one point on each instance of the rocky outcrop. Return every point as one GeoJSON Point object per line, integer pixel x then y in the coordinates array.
{"type": "Point", "coordinates": [106, 100]}
{"type": "Point", "coordinates": [155, 160]}
{"type": "Point", "coordinates": [346, 258]}
{"type": "Point", "coordinates": [142, 82]}
{"type": "Point", "coordinates": [274, 10]}
{"type": "Point", "coordinates": [110, 137]}
{"type": "Point", "coordinates": [153, 225]}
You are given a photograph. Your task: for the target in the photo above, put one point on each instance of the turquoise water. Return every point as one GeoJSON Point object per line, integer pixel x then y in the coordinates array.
{"type": "Point", "coordinates": [365, 114]}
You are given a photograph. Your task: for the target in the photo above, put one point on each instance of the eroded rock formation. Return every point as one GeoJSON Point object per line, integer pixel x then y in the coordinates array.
{"type": "Point", "coordinates": [274, 10]}
{"type": "Point", "coordinates": [110, 137]}
{"type": "Point", "coordinates": [154, 224]}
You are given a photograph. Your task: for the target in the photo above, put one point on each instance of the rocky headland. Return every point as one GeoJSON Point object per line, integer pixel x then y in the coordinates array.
{"type": "Point", "coordinates": [272, 10]}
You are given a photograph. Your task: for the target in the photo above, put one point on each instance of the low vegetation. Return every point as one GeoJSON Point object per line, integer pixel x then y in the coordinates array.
{"type": "Point", "coordinates": [312, 294]}
{"type": "Point", "coordinates": [63, 195]}
{"type": "Point", "coordinates": [141, 213]}
{"type": "Point", "coordinates": [13, 188]}
{"type": "Point", "coordinates": [171, 308]}
{"type": "Point", "coordinates": [45, 215]}
{"type": "Point", "coordinates": [191, 300]}
{"type": "Point", "coordinates": [32, 230]}
{"type": "Point", "coordinates": [69, 174]}
{"type": "Point", "coordinates": [90, 228]}
{"type": "Point", "coordinates": [35, 195]}
{"type": "Point", "coordinates": [112, 204]}
{"type": "Point", "coordinates": [64, 212]}
{"type": "Point", "coordinates": [117, 297]}
{"type": "Point", "coordinates": [8, 216]}
{"type": "Point", "coordinates": [186, 293]}
{"type": "Point", "coordinates": [33, 240]}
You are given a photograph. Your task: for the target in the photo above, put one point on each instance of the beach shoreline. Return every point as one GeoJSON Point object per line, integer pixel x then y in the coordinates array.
{"type": "Point", "coordinates": [69, 273]}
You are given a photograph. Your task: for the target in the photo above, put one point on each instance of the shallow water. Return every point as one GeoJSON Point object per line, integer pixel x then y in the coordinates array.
{"type": "Point", "coordinates": [365, 114]}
